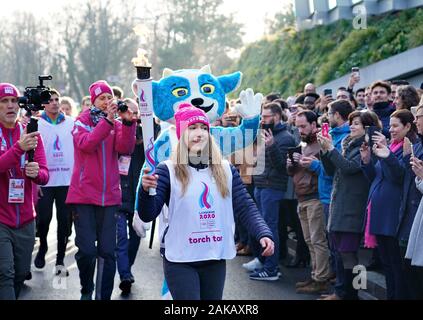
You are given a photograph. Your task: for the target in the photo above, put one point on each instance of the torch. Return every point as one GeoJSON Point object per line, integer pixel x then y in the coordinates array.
{"type": "Point", "coordinates": [145, 97]}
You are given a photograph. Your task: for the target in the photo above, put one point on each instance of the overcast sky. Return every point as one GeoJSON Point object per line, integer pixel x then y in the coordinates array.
{"type": "Point", "coordinates": [251, 13]}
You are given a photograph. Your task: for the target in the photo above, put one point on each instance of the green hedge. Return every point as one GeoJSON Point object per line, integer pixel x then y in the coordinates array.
{"type": "Point", "coordinates": [285, 62]}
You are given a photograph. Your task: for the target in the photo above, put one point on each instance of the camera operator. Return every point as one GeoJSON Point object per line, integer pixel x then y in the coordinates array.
{"type": "Point", "coordinates": [17, 226]}
{"type": "Point", "coordinates": [94, 189]}
{"type": "Point", "coordinates": [56, 130]}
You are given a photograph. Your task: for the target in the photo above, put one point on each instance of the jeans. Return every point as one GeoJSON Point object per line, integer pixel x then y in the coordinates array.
{"type": "Point", "coordinates": [94, 223]}
{"type": "Point", "coordinates": [126, 249]}
{"type": "Point", "coordinates": [268, 202]}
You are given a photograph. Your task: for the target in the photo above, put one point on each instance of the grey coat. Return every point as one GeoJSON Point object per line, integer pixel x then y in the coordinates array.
{"type": "Point", "coordinates": [350, 187]}
{"type": "Point", "coordinates": [415, 242]}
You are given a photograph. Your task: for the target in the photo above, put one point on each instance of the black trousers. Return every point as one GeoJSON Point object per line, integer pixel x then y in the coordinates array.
{"type": "Point", "coordinates": [63, 215]}
{"type": "Point", "coordinates": [413, 276]}
{"type": "Point", "coordinates": [202, 280]}
{"type": "Point", "coordinates": [390, 256]}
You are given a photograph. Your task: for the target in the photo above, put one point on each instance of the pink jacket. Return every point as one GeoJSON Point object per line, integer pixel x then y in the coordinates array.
{"type": "Point", "coordinates": [95, 177]}
{"type": "Point", "coordinates": [17, 215]}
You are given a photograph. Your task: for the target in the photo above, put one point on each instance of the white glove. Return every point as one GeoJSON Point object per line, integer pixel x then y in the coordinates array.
{"type": "Point", "coordinates": [140, 226]}
{"type": "Point", "coordinates": [250, 106]}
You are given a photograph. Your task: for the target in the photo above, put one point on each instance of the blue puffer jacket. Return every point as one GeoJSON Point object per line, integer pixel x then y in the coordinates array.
{"type": "Point", "coordinates": [149, 207]}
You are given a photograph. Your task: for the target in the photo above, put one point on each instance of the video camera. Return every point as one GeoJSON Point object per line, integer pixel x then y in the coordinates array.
{"type": "Point", "coordinates": [32, 101]}
{"type": "Point", "coordinates": [34, 97]}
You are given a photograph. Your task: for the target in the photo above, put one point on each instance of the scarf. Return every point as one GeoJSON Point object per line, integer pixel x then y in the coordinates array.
{"type": "Point", "coordinates": [96, 115]}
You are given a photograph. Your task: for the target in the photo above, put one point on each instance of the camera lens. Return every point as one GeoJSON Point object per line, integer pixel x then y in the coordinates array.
{"type": "Point", "coordinates": [122, 107]}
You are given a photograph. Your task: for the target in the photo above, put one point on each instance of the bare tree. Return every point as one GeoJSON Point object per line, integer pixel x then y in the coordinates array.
{"type": "Point", "coordinates": [98, 43]}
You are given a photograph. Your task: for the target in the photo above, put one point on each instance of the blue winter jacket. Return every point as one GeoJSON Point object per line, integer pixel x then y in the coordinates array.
{"type": "Point", "coordinates": [386, 177]}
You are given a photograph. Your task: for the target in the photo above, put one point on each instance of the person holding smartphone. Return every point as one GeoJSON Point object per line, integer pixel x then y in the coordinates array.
{"type": "Point", "coordinates": [354, 79]}
{"type": "Point", "coordinates": [339, 112]}
{"type": "Point", "coordinates": [387, 177]}
{"type": "Point", "coordinates": [347, 208]}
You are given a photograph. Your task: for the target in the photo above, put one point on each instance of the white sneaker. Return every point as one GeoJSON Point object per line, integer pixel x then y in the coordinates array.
{"type": "Point", "coordinates": [253, 265]}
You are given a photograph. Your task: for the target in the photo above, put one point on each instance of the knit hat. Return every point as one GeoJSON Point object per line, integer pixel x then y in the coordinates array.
{"type": "Point", "coordinates": [98, 88]}
{"type": "Point", "coordinates": [8, 90]}
{"type": "Point", "coordinates": [187, 115]}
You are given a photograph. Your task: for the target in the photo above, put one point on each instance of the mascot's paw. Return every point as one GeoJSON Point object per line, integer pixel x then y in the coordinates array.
{"type": "Point", "coordinates": [250, 106]}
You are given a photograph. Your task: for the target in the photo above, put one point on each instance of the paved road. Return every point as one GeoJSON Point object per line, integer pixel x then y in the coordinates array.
{"type": "Point", "coordinates": [149, 276]}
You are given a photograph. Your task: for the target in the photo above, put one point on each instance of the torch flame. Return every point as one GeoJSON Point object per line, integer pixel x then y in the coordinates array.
{"type": "Point", "coordinates": [141, 60]}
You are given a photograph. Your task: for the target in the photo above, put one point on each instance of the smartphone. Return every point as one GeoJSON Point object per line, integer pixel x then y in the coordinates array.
{"type": "Point", "coordinates": [327, 92]}
{"type": "Point", "coordinates": [412, 151]}
{"type": "Point", "coordinates": [291, 152]}
{"type": "Point", "coordinates": [355, 71]}
{"type": "Point", "coordinates": [325, 129]}
{"type": "Point", "coordinates": [370, 132]}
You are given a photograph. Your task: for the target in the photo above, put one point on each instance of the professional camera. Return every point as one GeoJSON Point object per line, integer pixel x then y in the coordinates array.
{"type": "Point", "coordinates": [34, 97]}
{"type": "Point", "coordinates": [32, 101]}
{"type": "Point", "coordinates": [122, 106]}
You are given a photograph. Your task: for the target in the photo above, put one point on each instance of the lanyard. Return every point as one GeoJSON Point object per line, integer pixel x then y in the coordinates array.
{"type": "Point", "coordinates": [4, 146]}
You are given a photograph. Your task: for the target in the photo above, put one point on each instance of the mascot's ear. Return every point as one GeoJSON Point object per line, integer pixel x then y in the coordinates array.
{"type": "Point", "coordinates": [206, 69]}
{"type": "Point", "coordinates": [167, 72]}
{"type": "Point", "coordinates": [230, 82]}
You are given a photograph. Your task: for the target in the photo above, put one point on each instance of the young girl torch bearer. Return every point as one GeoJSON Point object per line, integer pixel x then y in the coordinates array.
{"type": "Point", "coordinates": [145, 96]}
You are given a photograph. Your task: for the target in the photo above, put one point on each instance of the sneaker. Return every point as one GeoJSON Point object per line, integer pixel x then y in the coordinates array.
{"type": "Point", "coordinates": [125, 286]}
{"type": "Point", "coordinates": [253, 265]}
{"type": "Point", "coordinates": [60, 270]}
{"type": "Point", "coordinates": [40, 258]}
{"type": "Point", "coordinates": [265, 275]}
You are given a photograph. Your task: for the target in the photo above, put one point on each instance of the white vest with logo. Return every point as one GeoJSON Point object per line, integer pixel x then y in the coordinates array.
{"type": "Point", "coordinates": [201, 222]}
{"type": "Point", "coordinates": [58, 145]}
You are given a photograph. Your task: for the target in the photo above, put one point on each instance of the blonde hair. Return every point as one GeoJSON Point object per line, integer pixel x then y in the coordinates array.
{"type": "Point", "coordinates": [70, 102]}
{"type": "Point", "coordinates": [180, 160]}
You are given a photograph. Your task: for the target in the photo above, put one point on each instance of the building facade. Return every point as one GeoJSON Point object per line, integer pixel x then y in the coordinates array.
{"type": "Point", "coordinates": [310, 13]}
